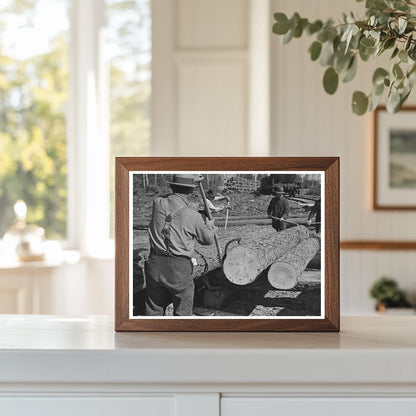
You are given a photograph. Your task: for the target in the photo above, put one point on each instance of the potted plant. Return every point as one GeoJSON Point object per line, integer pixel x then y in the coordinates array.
{"type": "Point", "coordinates": [387, 294]}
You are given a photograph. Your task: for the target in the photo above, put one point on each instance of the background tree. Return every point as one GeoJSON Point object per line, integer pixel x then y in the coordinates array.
{"type": "Point", "coordinates": [129, 46]}
{"type": "Point", "coordinates": [34, 102]}
{"type": "Point", "coordinates": [33, 98]}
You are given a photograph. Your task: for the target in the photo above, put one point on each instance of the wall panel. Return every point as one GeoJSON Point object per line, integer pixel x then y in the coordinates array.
{"type": "Point", "coordinates": [200, 77]}
{"type": "Point", "coordinates": [308, 122]}
{"type": "Point", "coordinates": [212, 24]}
{"type": "Point", "coordinates": [210, 119]}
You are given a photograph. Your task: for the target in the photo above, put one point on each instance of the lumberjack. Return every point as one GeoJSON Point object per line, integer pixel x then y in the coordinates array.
{"type": "Point", "coordinates": [173, 229]}
{"type": "Point", "coordinates": [278, 210]}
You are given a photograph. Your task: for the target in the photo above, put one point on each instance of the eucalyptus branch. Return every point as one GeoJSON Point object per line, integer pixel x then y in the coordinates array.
{"type": "Point", "coordinates": [388, 26]}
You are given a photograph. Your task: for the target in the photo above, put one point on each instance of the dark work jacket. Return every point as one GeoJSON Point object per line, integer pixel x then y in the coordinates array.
{"type": "Point", "coordinates": [278, 207]}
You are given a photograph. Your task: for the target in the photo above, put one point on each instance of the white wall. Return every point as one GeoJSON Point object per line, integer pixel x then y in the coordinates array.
{"type": "Point", "coordinates": [308, 122]}
{"type": "Point", "coordinates": [211, 93]}
{"type": "Point", "coordinates": [203, 85]}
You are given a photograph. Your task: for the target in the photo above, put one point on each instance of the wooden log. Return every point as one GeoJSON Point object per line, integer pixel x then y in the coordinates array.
{"type": "Point", "coordinates": [265, 221]}
{"type": "Point", "coordinates": [240, 223]}
{"type": "Point", "coordinates": [219, 222]}
{"type": "Point", "coordinates": [258, 250]}
{"type": "Point", "coordinates": [284, 273]}
{"type": "Point", "coordinates": [242, 217]}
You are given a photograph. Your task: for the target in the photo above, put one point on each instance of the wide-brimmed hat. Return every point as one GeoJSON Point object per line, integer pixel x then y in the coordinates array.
{"type": "Point", "coordinates": [181, 179]}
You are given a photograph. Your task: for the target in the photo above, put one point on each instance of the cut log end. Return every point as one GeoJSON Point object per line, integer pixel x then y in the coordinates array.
{"type": "Point", "coordinates": [282, 276]}
{"type": "Point", "coordinates": [241, 265]}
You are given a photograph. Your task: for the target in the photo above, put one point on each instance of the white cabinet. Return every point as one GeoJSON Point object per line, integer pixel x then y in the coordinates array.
{"type": "Point", "coordinates": [87, 406]}
{"type": "Point", "coordinates": [51, 365]}
{"type": "Point", "coordinates": [271, 406]}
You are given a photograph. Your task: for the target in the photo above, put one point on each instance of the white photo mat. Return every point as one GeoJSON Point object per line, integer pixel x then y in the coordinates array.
{"type": "Point", "coordinates": [322, 288]}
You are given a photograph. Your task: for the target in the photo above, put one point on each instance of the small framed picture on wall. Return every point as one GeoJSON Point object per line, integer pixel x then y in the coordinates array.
{"type": "Point", "coordinates": [394, 178]}
{"type": "Point", "coordinates": [227, 244]}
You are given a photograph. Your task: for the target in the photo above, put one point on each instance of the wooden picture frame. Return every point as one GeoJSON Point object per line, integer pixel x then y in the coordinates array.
{"type": "Point", "coordinates": [391, 178]}
{"type": "Point", "coordinates": [327, 167]}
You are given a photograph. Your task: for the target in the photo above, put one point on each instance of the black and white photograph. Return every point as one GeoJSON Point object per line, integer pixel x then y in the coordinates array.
{"type": "Point", "coordinates": [227, 244]}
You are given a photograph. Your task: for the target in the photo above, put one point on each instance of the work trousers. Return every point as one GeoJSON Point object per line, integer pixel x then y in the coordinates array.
{"type": "Point", "coordinates": [169, 279]}
{"type": "Point", "coordinates": [279, 225]}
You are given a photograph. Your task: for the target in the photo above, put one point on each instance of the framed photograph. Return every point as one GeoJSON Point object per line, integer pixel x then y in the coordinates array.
{"type": "Point", "coordinates": [227, 244]}
{"type": "Point", "coordinates": [394, 159]}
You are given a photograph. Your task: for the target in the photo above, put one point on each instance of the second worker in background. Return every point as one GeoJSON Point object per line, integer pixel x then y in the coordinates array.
{"type": "Point", "coordinates": [278, 210]}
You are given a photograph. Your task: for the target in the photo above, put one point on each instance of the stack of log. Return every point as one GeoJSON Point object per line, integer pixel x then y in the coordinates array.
{"type": "Point", "coordinates": [257, 251]}
{"type": "Point", "coordinates": [287, 253]}
{"type": "Point", "coordinates": [283, 255]}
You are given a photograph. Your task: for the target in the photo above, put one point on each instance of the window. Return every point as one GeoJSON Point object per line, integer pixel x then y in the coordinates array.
{"type": "Point", "coordinates": [75, 87]}
{"type": "Point", "coordinates": [129, 46]}
{"type": "Point", "coordinates": [33, 103]}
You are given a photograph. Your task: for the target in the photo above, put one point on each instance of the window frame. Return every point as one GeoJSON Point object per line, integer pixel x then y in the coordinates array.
{"type": "Point", "coordinates": [87, 128]}
{"type": "Point", "coordinates": [88, 133]}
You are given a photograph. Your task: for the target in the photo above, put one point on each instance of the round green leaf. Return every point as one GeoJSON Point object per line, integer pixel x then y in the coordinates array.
{"type": "Point", "coordinates": [288, 37]}
{"type": "Point", "coordinates": [281, 27]}
{"type": "Point", "coordinates": [397, 71]}
{"type": "Point", "coordinates": [327, 53]}
{"type": "Point", "coordinates": [378, 90]}
{"type": "Point", "coordinates": [330, 80]}
{"type": "Point", "coordinates": [379, 75]}
{"type": "Point", "coordinates": [403, 96]}
{"type": "Point", "coordinates": [403, 55]}
{"type": "Point", "coordinates": [366, 53]}
{"type": "Point", "coordinates": [395, 52]}
{"type": "Point", "coordinates": [342, 61]}
{"type": "Point", "coordinates": [314, 27]}
{"type": "Point", "coordinates": [351, 71]}
{"type": "Point", "coordinates": [359, 103]}
{"type": "Point", "coordinates": [367, 42]}
{"type": "Point", "coordinates": [294, 20]}
{"type": "Point", "coordinates": [389, 43]}
{"type": "Point", "coordinates": [315, 50]}
{"type": "Point", "coordinates": [393, 101]}
{"type": "Point", "coordinates": [376, 4]}
{"type": "Point", "coordinates": [298, 30]}
{"type": "Point", "coordinates": [374, 102]}
{"type": "Point", "coordinates": [322, 36]}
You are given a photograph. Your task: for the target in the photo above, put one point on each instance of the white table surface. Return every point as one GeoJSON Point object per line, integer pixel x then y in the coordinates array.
{"type": "Point", "coordinates": [373, 349]}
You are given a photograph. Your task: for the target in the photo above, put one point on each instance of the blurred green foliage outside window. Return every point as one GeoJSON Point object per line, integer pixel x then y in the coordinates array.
{"type": "Point", "coordinates": [129, 48]}
{"type": "Point", "coordinates": [34, 86]}
{"type": "Point", "coordinates": [33, 101]}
